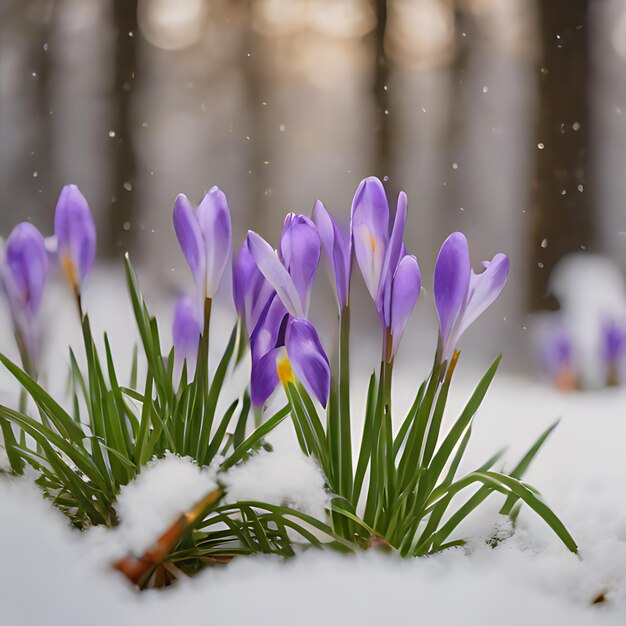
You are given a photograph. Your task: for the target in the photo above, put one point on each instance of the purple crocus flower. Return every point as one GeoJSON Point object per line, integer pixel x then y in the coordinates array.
{"type": "Point", "coordinates": [299, 252]}
{"type": "Point", "coordinates": [205, 237]}
{"type": "Point", "coordinates": [282, 328]}
{"type": "Point", "coordinates": [557, 353]}
{"type": "Point", "coordinates": [281, 346]}
{"type": "Point", "coordinates": [24, 273]}
{"type": "Point", "coordinates": [186, 330]}
{"type": "Point", "coordinates": [336, 251]}
{"type": "Point", "coordinates": [392, 276]}
{"type": "Point", "coordinates": [460, 294]}
{"type": "Point", "coordinates": [369, 230]}
{"type": "Point", "coordinates": [613, 341]}
{"type": "Point", "coordinates": [292, 269]}
{"type": "Point", "coordinates": [75, 233]}
{"type": "Point", "coordinates": [251, 291]}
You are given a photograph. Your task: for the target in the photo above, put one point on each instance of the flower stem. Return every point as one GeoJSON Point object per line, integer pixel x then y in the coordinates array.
{"type": "Point", "coordinates": [203, 355]}
{"type": "Point", "coordinates": [345, 434]}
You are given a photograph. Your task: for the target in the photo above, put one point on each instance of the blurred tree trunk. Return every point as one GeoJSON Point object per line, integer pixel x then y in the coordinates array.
{"type": "Point", "coordinates": [123, 154]}
{"type": "Point", "coordinates": [381, 76]}
{"type": "Point", "coordinates": [562, 218]}
{"type": "Point", "coordinates": [254, 72]}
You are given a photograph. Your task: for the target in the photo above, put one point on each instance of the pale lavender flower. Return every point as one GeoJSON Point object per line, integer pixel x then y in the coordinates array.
{"type": "Point", "coordinates": [205, 237]}
{"type": "Point", "coordinates": [461, 296]}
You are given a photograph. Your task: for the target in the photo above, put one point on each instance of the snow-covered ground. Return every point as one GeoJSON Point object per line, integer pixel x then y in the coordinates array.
{"type": "Point", "coordinates": [54, 575]}
{"type": "Point", "coordinates": [51, 574]}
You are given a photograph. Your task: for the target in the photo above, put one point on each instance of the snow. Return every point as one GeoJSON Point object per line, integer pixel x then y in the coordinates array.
{"type": "Point", "coordinates": [53, 574]}
{"type": "Point", "coordinates": [283, 477]}
{"type": "Point", "coordinates": [148, 505]}
{"type": "Point", "coordinates": [50, 573]}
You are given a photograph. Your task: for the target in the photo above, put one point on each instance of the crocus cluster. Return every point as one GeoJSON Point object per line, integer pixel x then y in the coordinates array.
{"type": "Point", "coordinates": [272, 287]}
{"type": "Point", "coordinates": [407, 490]}
{"type": "Point", "coordinates": [24, 265]}
{"type": "Point", "coordinates": [562, 350]}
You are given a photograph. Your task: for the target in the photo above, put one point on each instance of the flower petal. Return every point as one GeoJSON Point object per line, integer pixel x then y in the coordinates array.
{"type": "Point", "coordinates": [186, 329]}
{"type": "Point", "coordinates": [484, 288]}
{"type": "Point", "coordinates": [369, 230]}
{"type": "Point", "coordinates": [213, 216]}
{"type": "Point", "coordinates": [269, 332]}
{"type": "Point", "coordinates": [300, 252]}
{"type": "Point", "coordinates": [264, 378]}
{"type": "Point", "coordinates": [243, 267]}
{"type": "Point", "coordinates": [190, 237]}
{"type": "Point", "coordinates": [451, 284]}
{"type": "Point", "coordinates": [335, 250]}
{"type": "Point", "coordinates": [392, 258]}
{"type": "Point", "coordinates": [405, 290]}
{"type": "Point", "coordinates": [274, 271]}
{"type": "Point", "coordinates": [76, 234]}
{"type": "Point", "coordinates": [26, 269]}
{"type": "Point", "coordinates": [308, 359]}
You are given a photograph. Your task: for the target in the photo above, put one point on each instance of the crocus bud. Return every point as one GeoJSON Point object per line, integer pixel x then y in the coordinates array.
{"type": "Point", "coordinates": [369, 230]}
{"type": "Point", "coordinates": [461, 296]}
{"type": "Point", "coordinates": [299, 251]}
{"type": "Point", "coordinates": [205, 237]}
{"type": "Point", "coordinates": [186, 330]}
{"type": "Point", "coordinates": [24, 272]}
{"type": "Point", "coordinates": [76, 236]}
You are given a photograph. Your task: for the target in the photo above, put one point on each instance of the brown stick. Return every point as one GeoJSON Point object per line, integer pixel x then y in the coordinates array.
{"type": "Point", "coordinates": [137, 568]}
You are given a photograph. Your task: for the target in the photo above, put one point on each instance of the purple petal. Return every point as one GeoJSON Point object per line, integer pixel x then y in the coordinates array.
{"type": "Point", "coordinates": [392, 258]}
{"type": "Point", "coordinates": [613, 341]}
{"type": "Point", "coordinates": [300, 252]}
{"type": "Point", "coordinates": [251, 292]}
{"type": "Point", "coordinates": [308, 359]}
{"type": "Point", "coordinates": [274, 271]}
{"type": "Point", "coordinates": [370, 231]}
{"type": "Point", "coordinates": [243, 267]}
{"type": "Point", "coordinates": [269, 332]}
{"type": "Point", "coordinates": [186, 329]}
{"type": "Point", "coordinates": [335, 250]}
{"type": "Point", "coordinates": [264, 378]}
{"type": "Point", "coordinates": [405, 290]}
{"type": "Point", "coordinates": [484, 288]}
{"type": "Point", "coordinates": [213, 218]}
{"type": "Point", "coordinates": [76, 234]}
{"type": "Point", "coordinates": [451, 284]}
{"type": "Point", "coordinates": [26, 269]}
{"type": "Point", "coordinates": [190, 237]}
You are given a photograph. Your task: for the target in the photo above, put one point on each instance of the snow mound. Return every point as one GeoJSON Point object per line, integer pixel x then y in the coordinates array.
{"type": "Point", "coordinates": [283, 477]}
{"type": "Point", "coordinates": [164, 489]}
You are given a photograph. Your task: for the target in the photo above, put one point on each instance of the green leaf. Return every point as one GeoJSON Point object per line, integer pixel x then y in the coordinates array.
{"type": "Point", "coordinates": [255, 438]}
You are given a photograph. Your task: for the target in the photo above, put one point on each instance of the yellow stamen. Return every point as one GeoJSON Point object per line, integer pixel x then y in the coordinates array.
{"type": "Point", "coordinates": [69, 269]}
{"type": "Point", "coordinates": [373, 242]}
{"type": "Point", "coordinates": [284, 371]}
